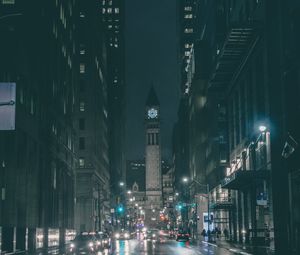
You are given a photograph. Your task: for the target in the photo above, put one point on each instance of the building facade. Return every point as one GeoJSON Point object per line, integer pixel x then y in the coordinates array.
{"type": "Point", "coordinates": [92, 147]}
{"type": "Point", "coordinates": [38, 157]}
{"type": "Point", "coordinates": [113, 15]}
{"type": "Point", "coordinates": [153, 159]}
{"type": "Point", "coordinates": [250, 134]}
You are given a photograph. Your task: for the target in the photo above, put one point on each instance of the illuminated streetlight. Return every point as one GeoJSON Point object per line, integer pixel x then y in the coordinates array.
{"type": "Point", "coordinates": [129, 192]}
{"type": "Point", "coordinates": [262, 128]}
{"type": "Point", "coordinates": [121, 184]}
{"type": "Point", "coordinates": [185, 179]}
{"type": "Point", "coordinates": [177, 194]}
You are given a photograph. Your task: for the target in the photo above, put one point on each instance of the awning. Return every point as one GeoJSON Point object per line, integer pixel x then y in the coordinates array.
{"type": "Point", "coordinates": [242, 178]}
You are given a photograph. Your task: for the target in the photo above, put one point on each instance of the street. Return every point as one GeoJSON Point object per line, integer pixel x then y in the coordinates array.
{"type": "Point", "coordinates": [142, 247]}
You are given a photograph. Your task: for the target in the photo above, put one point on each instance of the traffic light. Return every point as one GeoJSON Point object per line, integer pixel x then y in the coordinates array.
{"type": "Point", "coordinates": [120, 209]}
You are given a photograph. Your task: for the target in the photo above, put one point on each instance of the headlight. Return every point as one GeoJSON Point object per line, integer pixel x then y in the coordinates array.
{"type": "Point", "coordinates": [98, 243]}
{"type": "Point", "coordinates": [91, 244]}
{"type": "Point", "coordinates": [105, 241]}
{"type": "Point", "coordinates": [126, 235]}
{"type": "Point", "coordinates": [153, 235]}
{"type": "Point", "coordinates": [117, 235]}
{"type": "Point", "coordinates": [72, 245]}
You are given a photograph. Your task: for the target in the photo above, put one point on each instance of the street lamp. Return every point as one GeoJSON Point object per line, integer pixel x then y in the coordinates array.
{"type": "Point", "coordinates": [185, 179]}
{"type": "Point", "coordinates": [121, 184]}
{"type": "Point", "coordinates": [262, 128]}
{"type": "Point", "coordinates": [129, 192]}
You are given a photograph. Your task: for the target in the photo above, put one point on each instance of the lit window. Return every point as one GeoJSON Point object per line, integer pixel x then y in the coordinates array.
{"type": "Point", "coordinates": [109, 10]}
{"type": "Point", "coordinates": [8, 1]}
{"type": "Point", "coordinates": [81, 15]}
{"type": "Point", "coordinates": [82, 68]}
{"type": "Point", "coordinates": [82, 106]}
{"type": "Point", "coordinates": [31, 106]}
{"type": "Point", "coordinates": [81, 162]}
{"type": "Point", "coordinates": [103, 10]}
{"type": "Point", "coordinates": [188, 30]}
{"type": "Point", "coordinates": [117, 10]}
{"type": "Point", "coordinates": [82, 51]}
{"type": "Point", "coordinates": [188, 16]}
{"type": "Point", "coordinates": [188, 8]}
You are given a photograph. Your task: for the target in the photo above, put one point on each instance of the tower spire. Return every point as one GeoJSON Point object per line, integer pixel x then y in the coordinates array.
{"type": "Point", "coordinates": [152, 99]}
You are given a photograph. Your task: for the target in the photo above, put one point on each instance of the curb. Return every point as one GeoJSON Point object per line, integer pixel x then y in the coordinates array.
{"type": "Point", "coordinates": [236, 251]}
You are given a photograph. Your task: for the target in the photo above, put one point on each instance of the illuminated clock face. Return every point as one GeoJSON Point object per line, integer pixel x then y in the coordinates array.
{"type": "Point", "coordinates": [152, 113]}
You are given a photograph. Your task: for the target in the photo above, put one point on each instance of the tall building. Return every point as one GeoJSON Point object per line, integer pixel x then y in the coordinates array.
{"type": "Point", "coordinates": [91, 123]}
{"type": "Point", "coordinates": [153, 159]}
{"type": "Point", "coordinates": [113, 14]}
{"type": "Point", "coordinates": [244, 93]}
{"type": "Point", "coordinates": [37, 50]}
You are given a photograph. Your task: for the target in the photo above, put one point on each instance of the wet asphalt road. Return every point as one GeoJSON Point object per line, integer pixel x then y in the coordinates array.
{"type": "Point", "coordinates": [167, 247]}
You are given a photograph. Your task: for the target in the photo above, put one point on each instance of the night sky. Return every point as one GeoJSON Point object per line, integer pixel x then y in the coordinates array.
{"type": "Point", "coordinates": [151, 58]}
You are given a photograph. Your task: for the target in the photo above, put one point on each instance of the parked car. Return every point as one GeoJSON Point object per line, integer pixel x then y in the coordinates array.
{"type": "Point", "coordinates": [84, 242]}
{"type": "Point", "coordinates": [182, 236]}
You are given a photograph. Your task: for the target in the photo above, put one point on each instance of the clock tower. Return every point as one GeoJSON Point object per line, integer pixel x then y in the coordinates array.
{"type": "Point", "coordinates": [153, 160]}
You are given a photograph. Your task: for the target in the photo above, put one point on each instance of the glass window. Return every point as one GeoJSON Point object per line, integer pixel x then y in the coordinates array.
{"type": "Point", "coordinates": [81, 162]}
{"type": "Point", "coordinates": [82, 68]}
{"type": "Point", "coordinates": [8, 1]}
{"type": "Point", "coordinates": [82, 106]}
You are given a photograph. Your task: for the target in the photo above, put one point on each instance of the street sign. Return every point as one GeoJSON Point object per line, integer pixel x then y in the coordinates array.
{"type": "Point", "coordinates": [7, 106]}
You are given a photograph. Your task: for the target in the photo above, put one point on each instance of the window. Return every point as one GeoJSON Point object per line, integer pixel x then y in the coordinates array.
{"type": "Point", "coordinates": [188, 30]}
{"type": "Point", "coordinates": [81, 124]}
{"type": "Point", "coordinates": [81, 162]}
{"type": "Point", "coordinates": [188, 8]}
{"type": "Point", "coordinates": [82, 106]}
{"type": "Point", "coordinates": [81, 143]}
{"type": "Point", "coordinates": [82, 68]}
{"type": "Point", "coordinates": [188, 16]}
{"type": "Point", "coordinates": [8, 1]}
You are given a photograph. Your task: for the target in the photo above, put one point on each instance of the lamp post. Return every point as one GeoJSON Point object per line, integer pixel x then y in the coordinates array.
{"type": "Point", "coordinates": [185, 180]}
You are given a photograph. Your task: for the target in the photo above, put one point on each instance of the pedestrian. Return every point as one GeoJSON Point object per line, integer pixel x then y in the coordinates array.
{"type": "Point", "coordinates": [203, 233]}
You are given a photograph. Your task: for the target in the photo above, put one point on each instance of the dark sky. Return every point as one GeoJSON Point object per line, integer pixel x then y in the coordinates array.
{"type": "Point", "coordinates": [150, 35]}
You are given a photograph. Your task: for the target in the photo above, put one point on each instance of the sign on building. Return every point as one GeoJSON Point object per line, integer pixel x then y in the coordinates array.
{"type": "Point", "coordinates": [7, 106]}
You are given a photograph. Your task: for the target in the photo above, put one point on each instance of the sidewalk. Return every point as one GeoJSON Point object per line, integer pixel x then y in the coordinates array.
{"type": "Point", "coordinates": [244, 249]}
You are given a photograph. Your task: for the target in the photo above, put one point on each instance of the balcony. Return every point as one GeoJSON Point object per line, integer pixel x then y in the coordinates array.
{"type": "Point", "coordinates": [243, 178]}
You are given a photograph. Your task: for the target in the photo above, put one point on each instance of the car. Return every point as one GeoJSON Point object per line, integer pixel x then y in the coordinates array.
{"type": "Point", "coordinates": [122, 235]}
{"type": "Point", "coordinates": [182, 236]}
{"type": "Point", "coordinates": [84, 242]}
{"type": "Point", "coordinates": [103, 240]}
{"type": "Point", "coordinates": [152, 234]}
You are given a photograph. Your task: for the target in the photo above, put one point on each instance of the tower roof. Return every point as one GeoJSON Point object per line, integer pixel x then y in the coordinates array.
{"type": "Point", "coordinates": [152, 99]}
